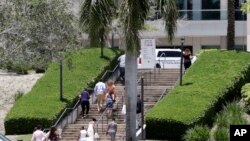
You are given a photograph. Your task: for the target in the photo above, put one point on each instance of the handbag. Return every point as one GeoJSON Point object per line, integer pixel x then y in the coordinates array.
{"type": "Point", "coordinates": [124, 109]}
{"type": "Point", "coordinates": [115, 106]}
{"type": "Point", "coordinates": [96, 136]}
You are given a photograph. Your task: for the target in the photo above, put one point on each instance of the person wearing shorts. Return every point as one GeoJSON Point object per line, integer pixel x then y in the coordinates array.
{"type": "Point", "coordinates": [99, 90]}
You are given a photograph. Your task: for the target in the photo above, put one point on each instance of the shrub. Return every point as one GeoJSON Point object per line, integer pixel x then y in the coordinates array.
{"type": "Point", "coordinates": [198, 133]}
{"type": "Point", "coordinates": [221, 134]}
{"type": "Point", "coordinates": [8, 65]}
{"type": "Point", "coordinates": [20, 68]}
{"type": "Point", "coordinates": [216, 76]}
{"type": "Point", "coordinates": [42, 105]}
{"type": "Point", "coordinates": [18, 95]}
{"type": "Point", "coordinates": [245, 92]}
{"type": "Point", "coordinates": [232, 114]}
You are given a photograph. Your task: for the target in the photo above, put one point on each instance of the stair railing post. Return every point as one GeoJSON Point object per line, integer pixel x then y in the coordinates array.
{"type": "Point", "coordinates": [72, 116]}
{"type": "Point", "coordinates": [150, 78]}
{"type": "Point", "coordinates": [67, 119]}
{"type": "Point", "coordinates": [92, 98]}
{"type": "Point", "coordinates": [102, 123]}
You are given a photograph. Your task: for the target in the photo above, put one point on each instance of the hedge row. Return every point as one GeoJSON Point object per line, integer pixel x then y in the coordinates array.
{"type": "Point", "coordinates": [215, 77]}
{"type": "Point", "coordinates": [245, 92]}
{"type": "Point", "coordinates": [42, 106]}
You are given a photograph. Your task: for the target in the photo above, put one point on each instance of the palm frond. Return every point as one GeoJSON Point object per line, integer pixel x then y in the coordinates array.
{"type": "Point", "coordinates": [133, 14]}
{"type": "Point", "coordinates": [96, 17]}
{"type": "Point", "coordinates": [85, 13]}
{"type": "Point", "coordinates": [168, 9]}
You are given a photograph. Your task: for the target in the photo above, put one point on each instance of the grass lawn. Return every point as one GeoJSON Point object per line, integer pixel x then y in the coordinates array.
{"type": "Point", "coordinates": [25, 137]}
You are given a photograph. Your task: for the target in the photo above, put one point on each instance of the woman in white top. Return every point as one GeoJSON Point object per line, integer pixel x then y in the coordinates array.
{"type": "Point", "coordinates": [83, 135]}
{"type": "Point", "coordinates": [90, 130]}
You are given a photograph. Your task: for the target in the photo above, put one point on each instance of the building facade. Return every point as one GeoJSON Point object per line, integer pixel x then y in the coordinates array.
{"type": "Point", "coordinates": [203, 23]}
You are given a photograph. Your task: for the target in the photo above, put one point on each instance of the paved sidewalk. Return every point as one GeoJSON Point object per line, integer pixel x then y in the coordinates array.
{"type": "Point", "coordinates": [11, 84]}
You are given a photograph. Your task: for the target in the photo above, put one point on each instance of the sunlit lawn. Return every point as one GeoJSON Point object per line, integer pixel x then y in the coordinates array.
{"type": "Point", "coordinates": [26, 137]}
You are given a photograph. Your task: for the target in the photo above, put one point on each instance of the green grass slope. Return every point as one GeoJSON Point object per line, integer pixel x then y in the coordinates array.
{"type": "Point", "coordinates": [42, 104]}
{"type": "Point", "coordinates": [215, 77]}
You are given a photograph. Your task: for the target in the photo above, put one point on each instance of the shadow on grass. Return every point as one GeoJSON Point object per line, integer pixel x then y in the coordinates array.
{"type": "Point", "coordinates": [117, 51]}
{"type": "Point", "coordinates": [65, 100]}
{"type": "Point", "coordinates": [105, 57]}
{"type": "Point", "coordinates": [186, 84]}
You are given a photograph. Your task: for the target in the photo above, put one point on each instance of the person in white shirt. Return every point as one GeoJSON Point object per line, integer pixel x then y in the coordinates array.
{"type": "Point", "coordinates": [38, 135]}
{"type": "Point", "coordinates": [121, 60]}
{"type": "Point", "coordinates": [99, 91]}
{"type": "Point", "coordinates": [83, 135]}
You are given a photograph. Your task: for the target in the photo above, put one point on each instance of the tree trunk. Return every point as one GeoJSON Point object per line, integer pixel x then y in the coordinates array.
{"type": "Point", "coordinates": [231, 25]}
{"type": "Point", "coordinates": [131, 95]}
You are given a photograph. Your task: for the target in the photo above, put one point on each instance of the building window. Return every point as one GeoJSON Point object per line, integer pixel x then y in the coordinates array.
{"type": "Point", "coordinates": [211, 9]}
{"type": "Point", "coordinates": [239, 16]}
{"type": "Point", "coordinates": [210, 47]}
{"type": "Point", "coordinates": [240, 47]}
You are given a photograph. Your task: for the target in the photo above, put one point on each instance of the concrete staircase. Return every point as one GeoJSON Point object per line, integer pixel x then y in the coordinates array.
{"type": "Point", "coordinates": [155, 83]}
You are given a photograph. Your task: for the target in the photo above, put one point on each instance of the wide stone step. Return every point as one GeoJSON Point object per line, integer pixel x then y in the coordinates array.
{"type": "Point", "coordinates": [155, 83]}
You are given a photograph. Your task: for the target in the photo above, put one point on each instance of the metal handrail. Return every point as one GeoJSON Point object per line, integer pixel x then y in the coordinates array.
{"type": "Point", "coordinates": [101, 119]}
{"type": "Point", "coordinates": [105, 112]}
{"type": "Point", "coordinates": [160, 59]}
{"type": "Point", "coordinates": [64, 112]}
{"type": "Point", "coordinates": [76, 107]}
{"type": "Point", "coordinates": [162, 94]}
{"type": "Point", "coordinates": [138, 81]}
{"type": "Point", "coordinates": [145, 73]}
{"type": "Point", "coordinates": [109, 71]}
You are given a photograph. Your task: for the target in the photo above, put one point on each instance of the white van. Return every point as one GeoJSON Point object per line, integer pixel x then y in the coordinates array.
{"type": "Point", "coordinates": [168, 58]}
{"type": "Point", "coordinates": [164, 58]}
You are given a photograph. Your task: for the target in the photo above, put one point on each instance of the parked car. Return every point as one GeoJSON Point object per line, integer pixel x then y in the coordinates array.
{"type": "Point", "coordinates": [3, 138]}
{"type": "Point", "coordinates": [166, 58]}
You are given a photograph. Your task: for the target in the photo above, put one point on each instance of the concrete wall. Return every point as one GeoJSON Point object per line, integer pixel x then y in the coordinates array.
{"type": "Point", "coordinates": [197, 42]}
{"type": "Point", "coordinates": [197, 33]}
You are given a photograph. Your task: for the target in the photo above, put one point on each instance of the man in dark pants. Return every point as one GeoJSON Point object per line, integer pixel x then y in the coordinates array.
{"type": "Point", "coordinates": [84, 97]}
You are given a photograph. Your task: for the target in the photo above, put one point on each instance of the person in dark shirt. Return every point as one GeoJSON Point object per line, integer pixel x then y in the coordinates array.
{"type": "Point", "coordinates": [53, 136]}
{"type": "Point", "coordinates": [138, 104]}
{"type": "Point", "coordinates": [84, 98]}
{"type": "Point", "coordinates": [187, 58]}
{"type": "Point", "coordinates": [138, 110]}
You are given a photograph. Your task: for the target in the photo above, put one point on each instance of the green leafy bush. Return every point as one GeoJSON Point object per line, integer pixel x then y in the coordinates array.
{"type": "Point", "coordinates": [18, 95]}
{"type": "Point", "coordinates": [245, 92]}
{"type": "Point", "coordinates": [221, 134]}
{"type": "Point", "coordinates": [198, 133]}
{"type": "Point", "coordinates": [21, 67]}
{"type": "Point", "coordinates": [232, 114]}
{"type": "Point", "coordinates": [216, 76]}
{"type": "Point", "coordinates": [42, 105]}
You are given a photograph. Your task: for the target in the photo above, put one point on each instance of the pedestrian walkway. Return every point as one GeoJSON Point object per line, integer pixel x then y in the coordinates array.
{"type": "Point", "coordinates": [156, 82]}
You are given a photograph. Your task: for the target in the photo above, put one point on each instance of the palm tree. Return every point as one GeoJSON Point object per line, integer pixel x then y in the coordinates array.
{"type": "Point", "coordinates": [133, 15]}
{"type": "Point", "coordinates": [231, 25]}
{"type": "Point", "coordinates": [95, 18]}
